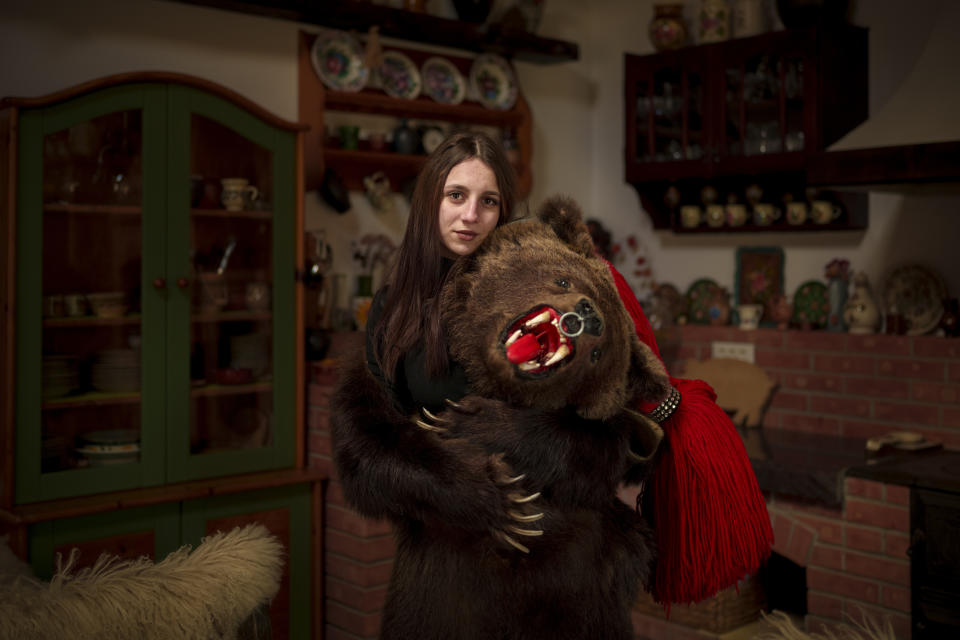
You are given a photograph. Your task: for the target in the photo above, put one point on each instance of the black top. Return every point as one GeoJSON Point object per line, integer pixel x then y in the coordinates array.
{"type": "Point", "coordinates": [412, 386]}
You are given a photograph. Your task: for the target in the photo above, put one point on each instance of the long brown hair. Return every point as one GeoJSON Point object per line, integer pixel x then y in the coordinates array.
{"type": "Point", "coordinates": [411, 311]}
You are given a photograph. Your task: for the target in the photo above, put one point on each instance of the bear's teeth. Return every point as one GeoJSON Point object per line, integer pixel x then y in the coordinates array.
{"type": "Point", "coordinates": [561, 353]}
{"type": "Point", "coordinates": [539, 319]}
{"type": "Point", "coordinates": [513, 338]}
{"type": "Point", "coordinates": [529, 366]}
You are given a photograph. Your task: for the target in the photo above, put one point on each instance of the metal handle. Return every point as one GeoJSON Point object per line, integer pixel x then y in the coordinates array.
{"type": "Point", "coordinates": [159, 283]}
{"type": "Point", "coordinates": [183, 283]}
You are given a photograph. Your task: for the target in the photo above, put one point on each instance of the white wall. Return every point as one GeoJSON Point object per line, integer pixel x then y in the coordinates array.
{"type": "Point", "coordinates": [47, 45]}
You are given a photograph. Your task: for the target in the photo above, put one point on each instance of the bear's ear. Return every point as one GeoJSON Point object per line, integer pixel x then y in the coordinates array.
{"type": "Point", "coordinates": [563, 215]}
{"type": "Point", "coordinates": [649, 381]}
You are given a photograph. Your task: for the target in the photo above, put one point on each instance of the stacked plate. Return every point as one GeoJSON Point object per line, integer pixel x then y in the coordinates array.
{"type": "Point", "coordinates": [59, 375]}
{"type": "Point", "coordinates": [114, 446]}
{"type": "Point", "coordinates": [116, 370]}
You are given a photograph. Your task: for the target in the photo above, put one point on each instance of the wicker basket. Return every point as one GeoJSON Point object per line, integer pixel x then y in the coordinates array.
{"type": "Point", "coordinates": [730, 609]}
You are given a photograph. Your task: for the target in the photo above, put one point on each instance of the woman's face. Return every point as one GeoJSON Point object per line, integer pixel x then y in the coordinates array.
{"type": "Point", "coordinates": [469, 208]}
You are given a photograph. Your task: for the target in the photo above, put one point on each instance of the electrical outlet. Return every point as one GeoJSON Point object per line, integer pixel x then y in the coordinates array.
{"type": "Point", "coordinates": [736, 350]}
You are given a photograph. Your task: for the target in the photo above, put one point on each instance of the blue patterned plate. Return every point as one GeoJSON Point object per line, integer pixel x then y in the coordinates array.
{"type": "Point", "coordinates": [442, 81]}
{"type": "Point", "coordinates": [493, 82]}
{"type": "Point", "coordinates": [398, 75]}
{"type": "Point", "coordinates": [337, 58]}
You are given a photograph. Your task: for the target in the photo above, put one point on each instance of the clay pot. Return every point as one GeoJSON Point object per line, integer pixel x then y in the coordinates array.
{"type": "Point", "coordinates": [667, 29]}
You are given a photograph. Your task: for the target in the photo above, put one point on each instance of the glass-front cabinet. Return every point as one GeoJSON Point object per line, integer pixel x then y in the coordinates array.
{"type": "Point", "coordinates": [741, 112]}
{"type": "Point", "coordinates": [155, 292]}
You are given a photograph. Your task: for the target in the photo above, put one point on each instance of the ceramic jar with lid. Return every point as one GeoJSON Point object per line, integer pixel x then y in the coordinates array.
{"type": "Point", "coordinates": [667, 29]}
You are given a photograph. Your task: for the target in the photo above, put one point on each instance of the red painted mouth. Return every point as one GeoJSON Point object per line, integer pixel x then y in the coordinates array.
{"type": "Point", "coordinates": [534, 342]}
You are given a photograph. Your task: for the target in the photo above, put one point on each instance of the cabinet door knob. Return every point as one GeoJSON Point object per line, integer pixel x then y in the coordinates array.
{"type": "Point", "coordinates": [182, 282]}
{"type": "Point", "coordinates": [159, 283]}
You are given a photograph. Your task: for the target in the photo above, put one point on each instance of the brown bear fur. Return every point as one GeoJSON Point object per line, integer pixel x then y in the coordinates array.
{"type": "Point", "coordinates": [468, 563]}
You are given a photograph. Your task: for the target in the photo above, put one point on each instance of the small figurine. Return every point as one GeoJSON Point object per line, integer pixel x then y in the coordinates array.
{"type": "Point", "coordinates": [780, 310]}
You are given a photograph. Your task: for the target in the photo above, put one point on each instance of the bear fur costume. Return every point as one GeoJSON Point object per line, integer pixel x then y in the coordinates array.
{"type": "Point", "coordinates": [504, 506]}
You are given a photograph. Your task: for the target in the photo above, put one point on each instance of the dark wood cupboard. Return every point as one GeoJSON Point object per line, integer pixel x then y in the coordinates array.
{"type": "Point", "coordinates": [750, 111]}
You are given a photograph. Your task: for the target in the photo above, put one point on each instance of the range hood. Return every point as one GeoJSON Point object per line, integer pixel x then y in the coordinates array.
{"type": "Point", "coordinates": [913, 139]}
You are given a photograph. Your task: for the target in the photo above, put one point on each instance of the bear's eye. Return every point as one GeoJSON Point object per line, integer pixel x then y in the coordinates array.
{"type": "Point", "coordinates": [563, 282]}
{"type": "Point", "coordinates": [595, 354]}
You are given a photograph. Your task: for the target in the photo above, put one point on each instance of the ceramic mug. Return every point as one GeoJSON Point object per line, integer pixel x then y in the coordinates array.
{"type": "Point", "coordinates": [736, 214]}
{"type": "Point", "coordinates": [824, 212]}
{"type": "Point", "coordinates": [236, 193]}
{"type": "Point", "coordinates": [714, 215]}
{"type": "Point", "coordinates": [796, 212]}
{"type": "Point", "coordinates": [749, 315]}
{"type": "Point", "coordinates": [75, 304]}
{"type": "Point", "coordinates": [690, 215]}
{"type": "Point", "coordinates": [765, 213]}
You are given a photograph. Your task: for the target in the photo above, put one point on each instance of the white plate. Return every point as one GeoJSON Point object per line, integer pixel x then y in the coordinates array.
{"type": "Point", "coordinates": [398, 75]}
{"type": "Point", "coordinates": [493, 83]}
{"type": "Point", "coordinates": [442, 81]}
{"type": "Point", "coordinates": [338, 60]}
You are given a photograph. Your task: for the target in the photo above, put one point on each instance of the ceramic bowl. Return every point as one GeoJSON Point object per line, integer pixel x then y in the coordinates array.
{"type": "Point", "coordinates": [108, 304]}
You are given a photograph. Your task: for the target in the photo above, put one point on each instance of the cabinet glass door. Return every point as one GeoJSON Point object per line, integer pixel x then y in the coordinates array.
{"type": "Point", "coordinates": [231, 320]}
{"type": "Point", "coordinates": [81, 410]}
{"type": "Point", "coordinates": [764, 105]}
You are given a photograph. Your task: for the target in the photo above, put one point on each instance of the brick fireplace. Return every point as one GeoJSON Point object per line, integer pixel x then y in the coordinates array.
{"type": "Point", "coordinates": [853, 551]}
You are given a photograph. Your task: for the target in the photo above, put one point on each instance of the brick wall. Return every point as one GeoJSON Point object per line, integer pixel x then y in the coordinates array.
{"type": "Point", "coordinates": [829, 383]}
{"type": "Point", "coordinates": [855, 557]}
{"type": "Point", "coordinates": [836, 383]}
{"type": "Point", "coordinates": [358, 552]}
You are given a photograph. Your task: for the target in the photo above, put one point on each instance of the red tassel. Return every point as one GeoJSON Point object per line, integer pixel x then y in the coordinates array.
{"type": "Point", "coordinates": [709, 517]}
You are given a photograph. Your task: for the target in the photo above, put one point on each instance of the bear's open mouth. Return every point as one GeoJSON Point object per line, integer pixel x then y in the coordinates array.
{"type": "Point", "coordinates": [535, 343]}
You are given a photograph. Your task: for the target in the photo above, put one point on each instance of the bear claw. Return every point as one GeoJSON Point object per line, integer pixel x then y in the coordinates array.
{"type": "Point", "coordinates": [427, 413]}
{"type": "Point", "coordinates": [513, 543]}
{"type": "Point", "coordinates": [516, 497]}
{"type": "Point", "coordinates": [429, 427]}
{"type": "Point", "coordinates": [519, 517]}
{"type": "Point", "coordinates": [525, 532]}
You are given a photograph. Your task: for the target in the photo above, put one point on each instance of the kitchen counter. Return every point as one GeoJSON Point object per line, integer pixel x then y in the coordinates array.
{"type": "Point", "coordinates": [808, 466]}
{"type": "Point", "coordinates": [939, 470]}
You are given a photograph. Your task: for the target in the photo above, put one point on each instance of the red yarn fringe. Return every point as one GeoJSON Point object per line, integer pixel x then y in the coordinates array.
{"type": "Point", "coordinates": [709, 517]}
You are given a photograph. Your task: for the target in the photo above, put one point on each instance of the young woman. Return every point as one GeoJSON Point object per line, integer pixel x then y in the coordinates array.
{"type": "Point", "coordinates": [466, 189]}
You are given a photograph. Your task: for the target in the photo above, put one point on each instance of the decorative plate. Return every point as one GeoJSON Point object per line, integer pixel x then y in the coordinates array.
{"type": "Point", "coordinates": [493, 82]}
{"type": "Point", "coordinates": [338, 60]}
{"type": "Point", "coordinates": [811, 305]}
{"type": "Point", "coordinates": [398, 76]}
{"type": "Point", "coordinates": [917, 294]}
{"type": "Point", "coordinates": [699, 298]}
{"type": "Point", "coordinates": [442, 81]}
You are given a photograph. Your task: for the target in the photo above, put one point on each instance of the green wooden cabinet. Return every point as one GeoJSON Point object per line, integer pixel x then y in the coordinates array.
{"type": "Point", "coordinates": [153, 232]}
{"type": "Point", "coordinates": [156, 530]}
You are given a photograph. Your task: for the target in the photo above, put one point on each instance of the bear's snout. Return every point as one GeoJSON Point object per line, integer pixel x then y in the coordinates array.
{"type": "Point", "coordinates": [592, 322]}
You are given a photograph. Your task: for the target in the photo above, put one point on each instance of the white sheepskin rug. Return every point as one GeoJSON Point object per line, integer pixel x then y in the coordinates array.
{"type": "Point", "coordinates": [869, 629]}
{"type": "Point", "coordinates": [200, 595]}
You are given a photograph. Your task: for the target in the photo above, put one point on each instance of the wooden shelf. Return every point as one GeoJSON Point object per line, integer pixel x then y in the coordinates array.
{"type": "Point", "coordinates": [90, 321]}
{"type": "Point", "coordinates": [231, 316]}
{"type": "Point", "coordinates": [92, 399]}
{"type": "Point", "coordinates": [407, 25]}
{"type": "Point", "coordinates": [223, 213]}
{"type": "Point", "coordinates": [211, 390]}
{"type": "Point", "coordinates": [107, 209]}
{"type": "Point", "coordinates": [353, 166]}
{"type": "Point", "coordinates": [422, 107]}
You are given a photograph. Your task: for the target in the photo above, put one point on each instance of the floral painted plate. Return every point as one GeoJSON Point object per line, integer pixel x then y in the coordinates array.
{"type": "Point", "coordinates": [917, 294]}
{"type": "Point", "coordinates": [493, 82]}
{"type": "Point", "coordinates": [398, 76]}
{"type": "Point", "coordinates": [811, 305]}
{"type": "Point", "coordinates": [442, 81]}
{"type": "Point", "coordinates": [699, 297]}
{"type": "Point", "coordinates": [337, 58]}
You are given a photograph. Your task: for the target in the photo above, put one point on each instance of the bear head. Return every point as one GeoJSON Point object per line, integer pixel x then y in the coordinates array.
{"type": "Point", "coordinates": [535, 319]}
